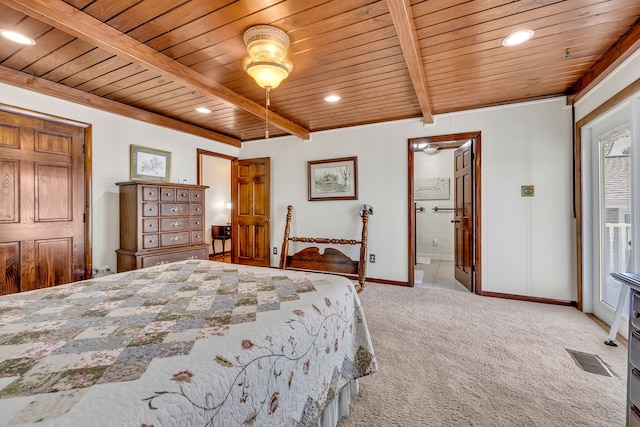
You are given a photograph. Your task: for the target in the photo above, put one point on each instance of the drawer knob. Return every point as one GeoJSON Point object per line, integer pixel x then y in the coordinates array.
{"type": "Point", "coordinates": [176, 224]}
{"type": "Point", "coordinates": [184, 195]}
{"type": "Point", "coordinates": [150, 225]}
{"type": "Point", "coordinates": [161, 262]}
{"type": "Point", "coordinates": [176, 238]}
{"type": "Point", "coordinates": [192, 257]}
{"type": "Point", "coordinates": [636, 314]}
{"type": "Point", "coordinates": [176, 209]}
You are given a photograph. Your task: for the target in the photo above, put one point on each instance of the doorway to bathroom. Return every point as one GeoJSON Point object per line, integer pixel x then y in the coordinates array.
{"type": "Point", "coordinates": [444, 196]}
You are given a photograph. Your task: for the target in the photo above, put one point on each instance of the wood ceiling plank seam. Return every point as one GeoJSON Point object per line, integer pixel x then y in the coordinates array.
{"type": "Point", "coordinates": [104, 10]}
{"type": "Point", "coordinates": [110, 78]}
{"type": "Point", "coordinates": [47, 87]}
{"type": "Point", "coordinates": [496, 30]}
{"type": "Point", "coordinates": [95, 71]}
{"type": "Point", "coordinates": [459, 68]}
{"type": "Point", "coordinates": [74, 49]}
{"type": "Point", "coordinates": [78, 64]}
{"type": "Point", "coordinates": [549, 71]}
{"type": "Point", "coordinates": [335, 41]}
{"type": "Point", "coordinates": [548, 35]}
{"type": "Point", "coordinates": [10, 17]}
{"type": "Point", "coordinates": [50, 41]}
{"type": "Point", "coordinates": [151, 92]}
{"type": "Point", "coordinates": [496, 85]}
{"type": "Point", "coordinates": [553, 47]}
{"type": "Point", "coordinates": [484, 12]}
{"type": "Point", "coordinates": [346, 93]}
{"type": "Point", "coordinates": [404, 91]}
{"type": "Point", "coordinates": [199, 48]}
{"type": "Point", "coordinates": [81, 25]}
{"type": "Point", "coordinates": [459, 48]}
{"type": "Point", "coordinates": [345, 88]}
{"type": "Point", "coordinates": [167, 103]}
{"type": "Point", "coordinates": [79, 4]}
{"type": "Point", "coordinates": [163, 97]}
{"type": "Point", "coordinates": [141, 14]}
{"type": "Point", "coordinates": [231, 24]}
{"type": "Point", "coordinates": [522, 87]}
{"type": "Point", "coordinates": [490, 59]}
{"type": "Point", "coordinates": [127, 85]}
{"type": "Point", "coordinates": [176, 18]}
{"type": "Point", "coordinates": [323, 19]}
{"type": "Point", "coordinates": [338, 52]}
{"type": "Point", "coordinates": [28, 26]}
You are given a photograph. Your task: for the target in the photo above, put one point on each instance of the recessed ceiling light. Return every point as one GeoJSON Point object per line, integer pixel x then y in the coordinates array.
{"type": "Point", "coordinates": [17, 37]}
{"type": "Point", "coordinates": [203, 110]}
{"type": "Point", "coordinates": [517, 38]}
{"type": "Point", "coordinates": [332, 98]}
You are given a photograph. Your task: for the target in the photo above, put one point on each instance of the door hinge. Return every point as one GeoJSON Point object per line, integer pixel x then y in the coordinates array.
{"type": "Point", "coordinates": [84, 218]}
{"type": "Point", "coordinates": [84, 148]}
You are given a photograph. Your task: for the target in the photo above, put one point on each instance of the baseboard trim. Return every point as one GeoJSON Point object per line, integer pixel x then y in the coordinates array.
{"type": "Point", "coordinates": [529, 298]}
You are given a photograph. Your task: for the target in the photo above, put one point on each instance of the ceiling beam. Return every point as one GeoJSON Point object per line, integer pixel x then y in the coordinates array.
{"type": "Point", "coordinates": [612, 58]}
{"type": "Point", "coordinates": [44, 86]}
{"type": "Point", "coordinates": [402, 17]}
{"type": "Point", "coordinates": [73, 21]}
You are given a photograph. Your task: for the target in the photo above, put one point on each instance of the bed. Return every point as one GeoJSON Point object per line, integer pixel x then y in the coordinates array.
{"type": "Point", "coordinates": [192, 343]}
{"type": "Point", "coordinates": [331, 260]}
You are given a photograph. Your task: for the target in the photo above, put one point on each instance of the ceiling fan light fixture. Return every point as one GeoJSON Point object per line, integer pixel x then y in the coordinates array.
{"type": "Point", "coordinates": [517, 38]}
{"type": "Point", "coordinates": [267, 63]}
{"type": "Point", "coordinates": [17, 37]}
{"type": "Point", "coordinates": [430, 149]}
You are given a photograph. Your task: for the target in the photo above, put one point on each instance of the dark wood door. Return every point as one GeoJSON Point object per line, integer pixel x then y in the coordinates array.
{"type": "Point", "coordinates": [251, 211]}
{"type": "Point", "coordinates": [463, 219]}
{"type": "Point", "coordinates": [42, 169]}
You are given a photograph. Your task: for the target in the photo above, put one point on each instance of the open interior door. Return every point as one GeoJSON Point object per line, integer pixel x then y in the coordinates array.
{"type": "Point", "coordinates": [251, 211]}
{"type": "Point", "coordinates": [463, 220]}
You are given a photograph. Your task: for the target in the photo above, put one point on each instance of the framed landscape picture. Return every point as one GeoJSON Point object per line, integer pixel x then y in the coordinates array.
{"type": "Point", "coordinates": [333, 179]}
{"type": "Point", "coordinates": [150, 164]}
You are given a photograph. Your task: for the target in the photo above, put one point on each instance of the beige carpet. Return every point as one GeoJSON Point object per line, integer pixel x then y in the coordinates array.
{"type": "Point", "coordinates": [449, 358]}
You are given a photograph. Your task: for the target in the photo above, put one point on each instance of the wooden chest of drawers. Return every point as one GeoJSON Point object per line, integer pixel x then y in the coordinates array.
{"type": "Point", "coordinates": [160, 223]}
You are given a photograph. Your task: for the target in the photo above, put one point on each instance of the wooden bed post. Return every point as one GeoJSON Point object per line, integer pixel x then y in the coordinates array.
{"type": "Point", "coordinates": [285, 243]}
{"type": "Point", "coordinates": [362, 265]}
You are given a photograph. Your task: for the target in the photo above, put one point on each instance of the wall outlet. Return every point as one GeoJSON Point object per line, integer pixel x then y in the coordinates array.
{"type": "Point", "coordinates": [372, 258]}
{"type": "Point", "coordinates": [275, 250]}
{"type": "Point", "coordinates": [435, 242]}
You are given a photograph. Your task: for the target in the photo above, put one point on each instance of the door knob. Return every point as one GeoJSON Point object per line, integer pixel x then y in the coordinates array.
{"type": "Point", "coordinates": [454, 221]}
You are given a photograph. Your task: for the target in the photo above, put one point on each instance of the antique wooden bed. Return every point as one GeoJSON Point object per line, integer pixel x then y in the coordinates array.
{"type": "Point", "coordinates": [331, 260]}
{"type": "Point", "coordinates": [191, 343]}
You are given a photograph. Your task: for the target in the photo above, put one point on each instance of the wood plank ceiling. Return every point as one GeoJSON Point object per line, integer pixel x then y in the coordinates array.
{"type": "Point", "coordinates": [157, 60]}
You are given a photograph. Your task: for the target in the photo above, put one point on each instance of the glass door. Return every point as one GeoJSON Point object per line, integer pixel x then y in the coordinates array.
{"type": "Point", "coordinates": [612, 206]}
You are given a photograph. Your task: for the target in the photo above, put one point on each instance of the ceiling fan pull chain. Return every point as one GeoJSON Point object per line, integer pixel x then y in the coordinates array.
{"type": "Point", "coordinates": [266, 114]}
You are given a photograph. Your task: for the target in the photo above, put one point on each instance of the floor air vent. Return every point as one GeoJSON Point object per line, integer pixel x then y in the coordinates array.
{"type": "Point", "coordinates": [590, 363]}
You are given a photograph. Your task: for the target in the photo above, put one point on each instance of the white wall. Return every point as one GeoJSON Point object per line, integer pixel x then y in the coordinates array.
{"type": "Point", "coordinates": [111, 138]}
{"type": "Point", "coordinates": [527, 245]}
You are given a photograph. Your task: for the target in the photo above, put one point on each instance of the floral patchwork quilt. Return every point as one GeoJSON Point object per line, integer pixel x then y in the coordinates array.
{"type": "Point", "coordinates": [192, 343]}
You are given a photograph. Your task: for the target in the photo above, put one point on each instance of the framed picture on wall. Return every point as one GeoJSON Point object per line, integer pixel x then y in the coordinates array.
{"type": "Point", "coordinates": [333, 179]}
{"type": "Point", "coordinates": [150, 164]}
{"type": "Point", "coordinates": [432, 189]}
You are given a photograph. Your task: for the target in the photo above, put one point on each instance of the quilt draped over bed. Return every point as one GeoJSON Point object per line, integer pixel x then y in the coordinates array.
{"type": "Point", "coordinates": [183, 344]}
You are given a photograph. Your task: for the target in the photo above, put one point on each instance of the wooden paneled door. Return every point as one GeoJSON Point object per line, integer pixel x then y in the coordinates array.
{"type": "Point", "coordinates": [251, 211]}
{"type": "Point", "coordinates": [463, 218]}
{"type": "Point", "coordinates": [42, 203]}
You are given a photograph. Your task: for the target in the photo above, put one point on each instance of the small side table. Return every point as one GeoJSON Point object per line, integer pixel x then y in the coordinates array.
{"type": "Point", "coordinates": [220, 232]}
